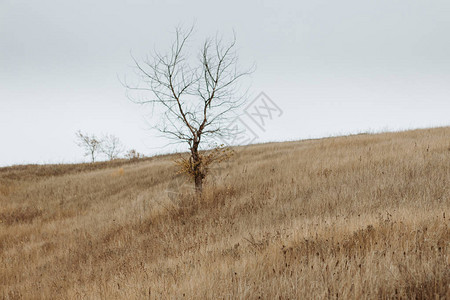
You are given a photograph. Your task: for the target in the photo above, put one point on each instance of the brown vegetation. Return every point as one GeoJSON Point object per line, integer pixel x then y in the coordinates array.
{"type": "Point", "coordinates": [363, 216]}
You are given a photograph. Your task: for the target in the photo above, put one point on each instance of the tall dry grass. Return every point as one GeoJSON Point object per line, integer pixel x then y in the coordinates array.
{"type": "Point", "coordinates": [354, 217]}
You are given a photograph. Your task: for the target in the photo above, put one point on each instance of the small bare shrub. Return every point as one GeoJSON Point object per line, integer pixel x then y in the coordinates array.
{"type": "Point", "coordinates": [200, 168]}
{"type": "Point", "coordinates": [134, 155]}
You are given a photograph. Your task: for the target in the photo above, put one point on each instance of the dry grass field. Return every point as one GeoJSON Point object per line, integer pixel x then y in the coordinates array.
{"type": "Point", "coordinates": [363, 216]}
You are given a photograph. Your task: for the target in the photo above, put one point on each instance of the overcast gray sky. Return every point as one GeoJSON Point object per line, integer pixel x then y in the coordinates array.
{"type": "Point", "coordinates": [332, 67]}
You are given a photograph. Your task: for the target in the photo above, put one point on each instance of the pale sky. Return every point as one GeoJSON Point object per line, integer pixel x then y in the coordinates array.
{"type": "Point", "coordinates": [332, 67]}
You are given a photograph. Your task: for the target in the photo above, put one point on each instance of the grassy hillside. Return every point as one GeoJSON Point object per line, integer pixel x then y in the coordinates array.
{"type": "Point", "coordinates": [363, 216]}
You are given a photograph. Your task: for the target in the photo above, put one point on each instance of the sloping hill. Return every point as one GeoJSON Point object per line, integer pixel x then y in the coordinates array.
{"type": "Point", "coordinates": [352, 217]}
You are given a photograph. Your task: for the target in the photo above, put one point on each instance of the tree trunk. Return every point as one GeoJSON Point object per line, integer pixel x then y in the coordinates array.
{"type": "Point", "coordinates": [197, 168]}
{"type": "Point", "coordinates": [198, 184]}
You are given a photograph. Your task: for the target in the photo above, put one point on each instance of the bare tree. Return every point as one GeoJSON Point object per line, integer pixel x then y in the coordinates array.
{"type": "Point", "coordinates": [89, 143]}
{"type": "Point", "coordinates": [195, 97]}
{"type": "Point", "coordinates": [134, 155]}
{"type": "Point", "coordinates": [111, 146]}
